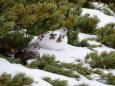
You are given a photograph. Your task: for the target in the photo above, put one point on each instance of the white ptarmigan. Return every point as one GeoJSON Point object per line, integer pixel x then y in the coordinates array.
{"type": "Point", "coordinates": [55, 40]}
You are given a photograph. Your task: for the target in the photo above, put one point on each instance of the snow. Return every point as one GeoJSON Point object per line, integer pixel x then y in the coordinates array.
{"type": "Point", "coordinates": [102, 6]}
{"type": "Point", "coordinates": [82, 36]}
{"type": "Point", "coordinates": [94, 43]}
{"type": "Point", "coordinates": [69, 54]}
{"type": "Point", "coordinates": [64, 53]}
{"type": "Point", "coordinates": [37, 75]}
{"type": "Point", "coordinates": [109, 71]}
{"type": "Point", "coordinates": [104, 19]}
{"type": "Point", "coordinates": [104, 48]}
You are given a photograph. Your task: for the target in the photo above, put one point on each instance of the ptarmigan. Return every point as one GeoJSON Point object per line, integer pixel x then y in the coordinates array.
{"type": "Point", "coordinates": [55, 40]}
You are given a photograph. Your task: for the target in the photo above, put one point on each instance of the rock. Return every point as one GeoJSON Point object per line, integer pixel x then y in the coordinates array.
{"type": "Point", "coordinates": [29, 52]}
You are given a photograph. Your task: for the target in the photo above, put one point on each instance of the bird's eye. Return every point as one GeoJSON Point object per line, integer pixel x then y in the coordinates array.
{"type": "Point", "coordinates": [64, 29]}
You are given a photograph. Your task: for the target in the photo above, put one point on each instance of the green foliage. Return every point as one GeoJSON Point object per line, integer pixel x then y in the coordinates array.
{"type": "Point", "coordinates": [104, 60]}
{"type": "Point", "coordinates": [82, 85]}
{"type": "Point", "coordinates": [105, 11]}
{"type": "Point", "coordinates": [48, 63]}
{"type": "Point", "coordinates": [80, 2]}
{"type": "Point", "coordinates": [83, 43]}
{"type": "Point", "coordinates": [73, 37]}
{"type": "Point", "coordinates": [78, 68]}
{"type": "Point", "coordinates": [56, 82]}
{"type": "Point", "coordinates": [105, 1]}
{"type": "Point", "coordinates": [110, 3]}
{"type": "Point", "coordinates": [110, 78]}
{"type": "Point", "coordinates": [43, 62]}
{"type": "Point", "coordinates": [12, 60]}
{"type": "Point", "coordinates": [38, 16]}
{"type": "Point", "coordinates": [87, 24]}
{"type": "Point", "coordinates": [29, 15]}
{"type": "Point", "coordinates": [106, 35]}
{"type": "Point", "coordinates": [15, 39]}
{"type": "Point", "coordinates": [93, 46]}
{"type": "Point", "coordinates": [87, 4]}
{"type": "Point", "coordinates": [18, 80]}
{"type": "Point", "coordinates": [110, 40]}
{"type": "Point", "coordinates": [98, 71]}
{"type": "Point", "coordinates": [112, 6]}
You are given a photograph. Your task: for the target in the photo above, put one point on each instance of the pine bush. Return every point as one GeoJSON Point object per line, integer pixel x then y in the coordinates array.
{"type": "Point", "coordinates": [73, 37]}
{"type": "Point", "coordinates": [48, 63]}
{"type": "Point", "coordinates": [109, 78]}
{"type": "Point", "coordinates": [83, 43]}
{"type": "Point", "coordinates": [15, 39]}
{"type": "Point", "coordinates": [110, 40]}
{"type": "Point", "coordinates": [12, 60]}
{"type": "Point", "coordinates": [106, 35]}
{"type": "Point", "coordinates": [56, 82]}
{"type": "Point", "coordinates": [82, 85]}
{"type": "Point", "coordinates": [87, 24]}
{"type": "Point", "coordinates": [78, 68]}
{"type": "Point", "coordinates": [18, 80]}
{"type": "Point", "coordinates": [105, 11]}
{"type": "Point", "coordinates": [104, 60]}
{"type": "Point", "coordinates": [37, 16]}
{"type": "Point", "coordinates": [88, 4]}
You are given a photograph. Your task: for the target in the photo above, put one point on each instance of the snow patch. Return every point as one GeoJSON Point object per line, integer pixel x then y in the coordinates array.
{"type": "Point", "coordinates": [93, 43]}
{"type": "Point", "coordinates": [102, 6]}
{"type": "Point", "coordinates": [37, 75]}
{"type": "Point", "coordinates": [104, 19]}
{"type": "Point", "coordinates": [104, 48]}
{"type": "Point", "coordinates": [82, 36]}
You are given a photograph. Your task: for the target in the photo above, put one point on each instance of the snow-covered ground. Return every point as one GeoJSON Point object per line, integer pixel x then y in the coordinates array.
{"type": "Point", "coordinates": [82, 36]}
{"type": "Point", "coordinates": [37, 75]}
{"type": "Point", "coordinates": [102, 6]}
{"type": "Point", "coordinates": [68, 54]}
{"type": "Point", "coordinates": [104, 19]}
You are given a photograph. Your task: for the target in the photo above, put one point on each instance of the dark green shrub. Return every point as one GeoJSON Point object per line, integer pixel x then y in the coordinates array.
{"type": "Point", "coordinates": [98, 71]}
{"type": "Point", "coordinates": [110, 78]}
{"type": "Point", "coordinates": [78, 68]}
{"type": "Point", "coordinates": [87, 24]}
{"type": "Point", "coordinates": [48, 63]}
{"type": "Point", "coordinates": [87, 4]}
{"type": "Point", "coordinates": [110, 40]}
{"type": "Point", "coordinates": [56, 82]}
{"type": "Point", "coordinates": [15, 39]}
{"type": "Point", "coordinates": [112, 25]}
{"type": "Point", "coordinates": [21, 14]}
{"type": "Point", "coordinates": [106, 35]}
{"type": "Point", "coordinates": [36, 17]}
{"type": "Point", "coordinates": [106, 1]}
{"type": "Point", "coordinates": [83, 43]}
{"type": "Point", "coordinates": [73, 37]}
{"type": "Point", "coordinates": [105, 11]}
{"type": "Point", "coordinates": [12, 60]}
{"type": "Point", "coordinates": [82, 85]}
{"type": "Point", "coordinates": [44, 61]}
{"type": "Point", "coordinates": [112, 6]}
{"type": "Point", "coordinates": [18, 80]}
{"type": "Point", "coordinates": [104, 60]}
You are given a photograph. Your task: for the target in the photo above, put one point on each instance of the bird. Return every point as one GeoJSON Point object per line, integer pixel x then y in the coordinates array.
{"type": "Point", "coordinates": [55, 40]}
